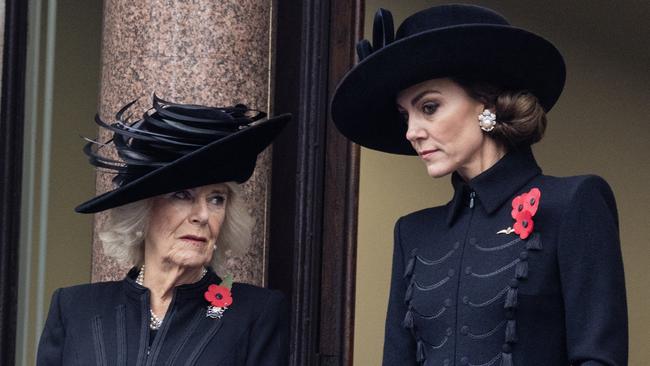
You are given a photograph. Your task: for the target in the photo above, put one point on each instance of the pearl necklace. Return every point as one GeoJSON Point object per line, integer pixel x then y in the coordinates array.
{"type": "Point", "coordinates": [154, 321]}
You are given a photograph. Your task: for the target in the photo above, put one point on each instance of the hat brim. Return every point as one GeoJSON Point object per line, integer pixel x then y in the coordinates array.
{"type": "Point", "coordinates": [363, 107]}
{"type": "Point", "coordinates": [231, 158]}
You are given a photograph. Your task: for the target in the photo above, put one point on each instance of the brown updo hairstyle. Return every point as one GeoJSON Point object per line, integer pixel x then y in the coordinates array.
{"type": "Point", "coordinates": [521, 120]}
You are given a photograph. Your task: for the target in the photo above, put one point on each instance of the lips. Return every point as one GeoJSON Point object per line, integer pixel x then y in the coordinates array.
{"type": "Point", "coordinates": [426, 153]}
{"type": "Point", "coordinates": [194, 238]}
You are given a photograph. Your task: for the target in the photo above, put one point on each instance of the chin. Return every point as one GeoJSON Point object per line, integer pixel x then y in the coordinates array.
{"type": "Point", "coordinates": [190, 260]}
{"type": "Point", "coordinates": [437, 171]}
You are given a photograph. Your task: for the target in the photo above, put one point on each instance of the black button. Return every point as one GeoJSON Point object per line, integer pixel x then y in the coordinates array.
{"type": "Point", "coordinates": [465, 300]}
{"type": "Point", "coordinates": [448, 302]}
{"type": "Point", "coordinates": [523, 256]}
{"type": "Point", "coordinates": [450, 331]}
{"type": "Point", "coordinates": [413, 251]}
{"type": "Point", "coordinates": [464, 330]}
{"type": "Point", "coordinates": [464, 360]}
{"type": "Point", "coordinates": [451, 273]}
{"type": "Point", "coordinates": [456, 245]}
{"type": "Point", "coordinates": [472, 241]}
{"type": "Point", "coordinates": [445, 362]}
{"type": "Point", "coordinates": [468, 270]}
{"type": "Point", "coordinates": [506, 348]}
{"type": "Point", "coordinates": [514, 283]}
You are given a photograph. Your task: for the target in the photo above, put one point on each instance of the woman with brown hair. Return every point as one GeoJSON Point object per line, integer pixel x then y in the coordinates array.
{"type": "Point", "coordinates": [519, 268]}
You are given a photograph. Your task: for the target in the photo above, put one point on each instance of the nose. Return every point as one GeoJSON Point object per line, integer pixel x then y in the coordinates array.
{"type": "Point", "coordinates": [199, 214]}
{"type": "Point", "coordinates": [415, 131]}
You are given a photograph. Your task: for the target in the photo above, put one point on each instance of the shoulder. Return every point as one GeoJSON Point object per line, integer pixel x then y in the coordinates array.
{"type": "Point", "coordinates": [577, 189]}
{"type": "Point", "coordinates": [87, 295]}
{"type": "Point", "coordinates": [584, 197]}
{"type": "Point", "coordinates": [256, 300]}
{"type": "Point", "coordinates": [81, 301]}
{"type": "Point", "coordinates": [99, 289]}
{"type": "Point", "coordinates": [425, 217]}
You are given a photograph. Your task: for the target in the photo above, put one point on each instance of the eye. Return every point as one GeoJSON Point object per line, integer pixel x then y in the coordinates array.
{"type": "Point", "coordinates": [182, 195]}
{"type": "Point", "coordinates": [218, 200]}
{"type": "Point", "coordinates": [429, 108]}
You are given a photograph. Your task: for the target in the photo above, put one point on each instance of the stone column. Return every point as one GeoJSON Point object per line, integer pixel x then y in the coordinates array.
{"type": "Point", "coordinates": [201, 51]}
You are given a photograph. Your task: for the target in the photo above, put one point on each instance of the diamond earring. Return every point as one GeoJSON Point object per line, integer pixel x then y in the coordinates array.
{"type": "Point", "coordinates": [487, 120]}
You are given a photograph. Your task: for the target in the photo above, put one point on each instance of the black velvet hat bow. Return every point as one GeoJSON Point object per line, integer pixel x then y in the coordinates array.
{"type": "Point", "coordinates": [382, 34]}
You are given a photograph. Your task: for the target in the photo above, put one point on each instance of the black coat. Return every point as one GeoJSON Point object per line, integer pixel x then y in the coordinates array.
{"type": "Point", "coordinates": [461, 294]}
{"type": "Point", "coordinates": [108, 324]}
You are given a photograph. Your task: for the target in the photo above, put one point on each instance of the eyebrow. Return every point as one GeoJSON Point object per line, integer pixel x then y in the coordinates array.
{"type": "Point", "coordinates": [417, 98]}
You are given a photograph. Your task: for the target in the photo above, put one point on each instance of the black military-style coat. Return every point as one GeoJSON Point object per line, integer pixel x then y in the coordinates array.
{"type": "Point", "coordinates": [108, 324]}
{"type": "Point", "coordinates": [462, 294]}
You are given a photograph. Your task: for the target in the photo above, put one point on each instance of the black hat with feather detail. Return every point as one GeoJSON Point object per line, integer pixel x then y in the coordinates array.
{"type": "Point", "coordinates": [179, 146]}
{"type": "Point", "coordinates": [456, 40]}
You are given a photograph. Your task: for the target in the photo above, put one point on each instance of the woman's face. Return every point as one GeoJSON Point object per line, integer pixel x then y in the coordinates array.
{"type": "Point", "coordinates": [184, 225]}
{"type": "Point", "coordinates": [443, 126]}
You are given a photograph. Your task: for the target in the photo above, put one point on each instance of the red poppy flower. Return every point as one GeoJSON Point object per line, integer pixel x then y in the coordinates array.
{"type": "Point", "coordinates": [526, 202]}
{"type": "Point", "coordinates": [218, 296]}
{"type": "Point", "coordinates": [524, 224]}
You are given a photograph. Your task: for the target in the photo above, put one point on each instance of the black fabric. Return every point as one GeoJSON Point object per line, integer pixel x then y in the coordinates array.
{"type": "Point", "coordinates": [461, 294]}
{"type": "Point", "coordinates": [465, 41]}
{"type": "Point", "coordinates": [108, 324]}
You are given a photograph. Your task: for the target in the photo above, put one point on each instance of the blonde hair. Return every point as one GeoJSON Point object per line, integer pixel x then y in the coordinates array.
{"type": "Point", "coordinates": [122, 236]}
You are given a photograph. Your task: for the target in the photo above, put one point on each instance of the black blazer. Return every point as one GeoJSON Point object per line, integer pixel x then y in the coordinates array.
{"type": "Point", "coordinates": [108, 324]}
{"type": "Point", "coordinates": [462, 294]}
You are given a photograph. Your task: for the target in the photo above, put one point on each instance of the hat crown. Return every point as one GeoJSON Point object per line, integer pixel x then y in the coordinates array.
{"type": "Point", "coordinates": [448, 16]}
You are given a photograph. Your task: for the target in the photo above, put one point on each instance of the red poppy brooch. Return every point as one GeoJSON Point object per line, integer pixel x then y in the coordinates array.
{"type": "Point", "coordinates": [219, 297]}
{"type": "Point", "coordinates": [524, 208]}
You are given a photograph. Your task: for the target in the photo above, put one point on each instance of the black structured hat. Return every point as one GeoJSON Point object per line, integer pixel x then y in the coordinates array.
{"type": "Point", "coordinates": [462, 41]}
{"type": "Point", "coordinates": [179, 146]}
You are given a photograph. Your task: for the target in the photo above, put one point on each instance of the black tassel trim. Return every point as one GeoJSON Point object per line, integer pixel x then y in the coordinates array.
{"type": "Point", "coordinates": [506, 359]}
{"type": "Point", "coordinates": [534, 242]}
{"type": "Point", "coordinates": [421, 356]}
{"type": "Point", "coordinates": [408, 319]}
{"type": "Point", "coordinates": [409, 293]}
{"type": "Point", "coordinates": [521, 272]}
{"type": "Point", "coordinates": [410, 265]}
{"type": "Point", "coordinates": [511, 298]}
{"type": "Point", "coordinates": [511, 331]}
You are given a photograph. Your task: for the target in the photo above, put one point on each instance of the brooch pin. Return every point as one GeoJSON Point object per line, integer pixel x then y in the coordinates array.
{"type": "Point", "coordinates": [219, 297]}
{"type": "Point", "coordinates": [524, 208]}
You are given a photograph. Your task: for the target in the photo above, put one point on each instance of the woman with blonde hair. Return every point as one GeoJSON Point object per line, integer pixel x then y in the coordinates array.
{"type": "Point", "coordinates": [176, 215]}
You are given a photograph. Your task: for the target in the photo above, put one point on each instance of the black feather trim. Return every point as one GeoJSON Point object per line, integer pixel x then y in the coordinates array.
{"type": "Point", "coordinates": [164, 133]}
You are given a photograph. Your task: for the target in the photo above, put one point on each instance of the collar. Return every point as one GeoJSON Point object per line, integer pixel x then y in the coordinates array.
{"type": "Point", "coordinates": [495, 185]}
{"type": "Point", "coordinates": [187, 291]}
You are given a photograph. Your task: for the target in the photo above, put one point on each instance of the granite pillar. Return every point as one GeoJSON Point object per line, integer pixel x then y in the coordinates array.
{"type": "Point", "coordinates": [200, 51]}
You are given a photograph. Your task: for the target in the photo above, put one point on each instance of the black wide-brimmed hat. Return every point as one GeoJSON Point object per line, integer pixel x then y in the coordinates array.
{"type": "Point", "coordinates": [179, 146]}
{"type": "Point", "coordinates": [461, 41]}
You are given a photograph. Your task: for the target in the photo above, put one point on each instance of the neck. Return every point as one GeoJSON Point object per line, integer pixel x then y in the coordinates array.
{"type": "Point", "coordinates": [484, 158]}
{"type": "Point", "coordinates": [162, 278]}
